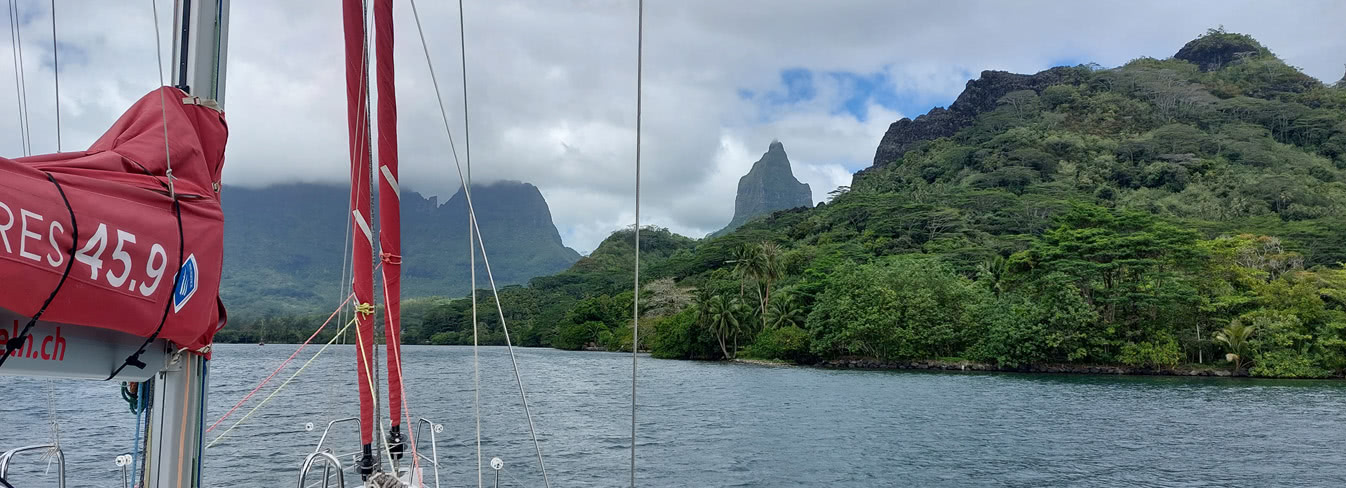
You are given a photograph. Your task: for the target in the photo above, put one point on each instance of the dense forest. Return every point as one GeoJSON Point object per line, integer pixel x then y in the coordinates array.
{"type": "Point", "coordinates": [1161, 213]}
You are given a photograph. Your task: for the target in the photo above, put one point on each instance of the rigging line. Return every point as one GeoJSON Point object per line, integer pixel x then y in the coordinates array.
{"type": "Point", "coordinates": [495, 293]}
{"type": "Point", "coordinates": [477, 231]}
{"type": "Point", "coordinates": [471, 244]}
{"type": "Point", "coordinates": [278, 388]}
{"type": "Point", "coordinates": [56, 74]}
{"type": "Point", "coordinates": [23, 80]}
{"type": "Point", "coordinates": [279, 368]}
{"type": "Point", "coordinates": [635, 299]}
{"type": "Point", "coordinates": [369, 373]}
{"type": "Point", "coordinates": [10, 10]}
{"type": "Point", "coordinates": [134, 359]}
{"type": "Point", "coordinates": [163, 105]}
{"type": "Point", "coordinates": [402, 387]}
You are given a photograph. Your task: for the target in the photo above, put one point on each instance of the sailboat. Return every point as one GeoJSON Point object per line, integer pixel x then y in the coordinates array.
{"type": "Point", "coordinates": [112, 260]}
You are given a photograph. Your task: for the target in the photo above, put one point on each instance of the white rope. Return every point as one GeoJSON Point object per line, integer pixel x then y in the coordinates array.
{"type": "Point", "coordinates": [471, 211]}
{"type": "Point", "coordinates": [56, 74]}
{"type": "Point", "coordinates": [635, 300]}
{"type": "Point", "coordinates": [471, 243]}
{"type": "Point", "coordinates": [163, 104]}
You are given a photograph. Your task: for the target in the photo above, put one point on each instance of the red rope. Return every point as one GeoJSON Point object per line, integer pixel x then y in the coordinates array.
{"type": "Point", "coordinates": [282, 365]}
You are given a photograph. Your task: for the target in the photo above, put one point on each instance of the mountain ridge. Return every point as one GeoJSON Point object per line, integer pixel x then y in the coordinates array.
{"type": "Point", "coordinates": [283, 243]}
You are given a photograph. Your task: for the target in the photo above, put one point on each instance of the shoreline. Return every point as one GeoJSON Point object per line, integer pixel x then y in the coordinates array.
{"type": "Point", "coordinates": [865, 364]}
{"type": "Point", "coordinates": [1054, 368]}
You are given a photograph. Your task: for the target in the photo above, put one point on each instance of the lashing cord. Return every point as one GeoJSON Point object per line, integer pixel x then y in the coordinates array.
{"type": "Point", "coordinates": [16, 342]}
{"type": "Point", "coordinates": [134, 359]}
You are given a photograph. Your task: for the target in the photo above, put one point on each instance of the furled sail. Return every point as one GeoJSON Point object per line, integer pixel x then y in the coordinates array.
{"type": "Point", "coordinates": [390, 214]}
{"type": "Point", "coordinates": [122, 274]}
{"type": "Point", "coordinates": [362, 244]}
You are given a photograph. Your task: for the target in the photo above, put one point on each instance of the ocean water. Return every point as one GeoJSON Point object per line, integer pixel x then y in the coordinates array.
{"type": "Point", "coordinates": [719, 424]}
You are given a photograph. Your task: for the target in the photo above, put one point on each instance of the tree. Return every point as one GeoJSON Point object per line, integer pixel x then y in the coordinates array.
{"type": "Point", "coordinates": [744, 258]}
{"type": "Point", "coordinates": [1236, 338]}
{"type": "Point", "coordinates": [721, 316]}
{"type": "Point", "coordinates": [785, 312]}
{"type": "Point", "coordinates": [765, 268]}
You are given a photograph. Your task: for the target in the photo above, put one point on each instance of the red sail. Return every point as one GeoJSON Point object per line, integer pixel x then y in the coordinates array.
{"type": "Point", "coordinates": [390, 213]}
{"type": "Point", "coordinates": [122, 277]}
{"type": "Point", "coordinates": [357, 114]}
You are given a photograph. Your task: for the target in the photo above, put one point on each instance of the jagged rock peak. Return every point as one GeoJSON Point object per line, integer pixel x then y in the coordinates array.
{"type": "Point", "coordinates": [769, 186]}
{"type": "Point", "coordinates": [980, 95]}
{"type": "Point", "coordinates": [1217, 48]}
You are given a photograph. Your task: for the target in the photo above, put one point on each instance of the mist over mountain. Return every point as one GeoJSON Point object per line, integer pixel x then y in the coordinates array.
{"type": "Point", "coordinates": [283, 244]}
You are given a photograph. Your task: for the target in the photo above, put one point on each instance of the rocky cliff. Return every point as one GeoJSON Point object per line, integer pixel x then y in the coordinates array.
{"type": "Point", "coordinates": [769, 186]}
{"type": "Point", "coordinates": [978, 97]}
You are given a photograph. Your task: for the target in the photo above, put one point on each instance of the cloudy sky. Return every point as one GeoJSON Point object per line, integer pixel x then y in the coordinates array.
{"type": "Point", "coordinates": [551, 84]}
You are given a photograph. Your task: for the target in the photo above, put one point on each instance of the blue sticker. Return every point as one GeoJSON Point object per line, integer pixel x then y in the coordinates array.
{"type": "Point", "coordinates": [186, 283]}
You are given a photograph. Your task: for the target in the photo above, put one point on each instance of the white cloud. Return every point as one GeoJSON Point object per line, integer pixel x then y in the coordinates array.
{"type": "Point", "coordinates": [553, 84]}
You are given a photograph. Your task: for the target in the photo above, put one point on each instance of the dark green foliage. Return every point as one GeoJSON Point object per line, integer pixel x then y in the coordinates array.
{"type": "Point", "coordinates": [790, 343]}
{"type": "Point", "coordinates": [901, 308]}
{"type": "Point", "coordinates": [1138, 215]}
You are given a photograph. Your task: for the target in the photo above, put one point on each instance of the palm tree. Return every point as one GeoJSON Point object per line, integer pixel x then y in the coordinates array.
{"type": "Point", "coordinates": [743, 258]}
{"type": "Point", "coordinates": [994, 270]}
{"type": "Point", "coordinates": [742, 317]}
{"type": "Point", "coordinates": [785, 312]}
{"type": "Point", "coordinates": [1236, 337]}
{"type": "Point", "coordinates": [721, 317]}
{"type": "Point", "coordinates": [766, 268]}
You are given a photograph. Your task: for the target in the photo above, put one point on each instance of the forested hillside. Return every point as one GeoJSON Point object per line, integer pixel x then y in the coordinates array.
{"type": "Point", "coordinates": [1164, 212]}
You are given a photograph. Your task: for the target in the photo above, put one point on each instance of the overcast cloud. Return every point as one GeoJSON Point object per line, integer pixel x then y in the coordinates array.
{"type": "Point", "coordinates": [552, 85]}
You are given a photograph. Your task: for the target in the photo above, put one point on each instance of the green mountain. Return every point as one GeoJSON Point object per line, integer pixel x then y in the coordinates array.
{"type": "Point", "coordinates": [769, 186]}
{"type": "Point", "coordinates": [284, 244]}
{"type": "Point", "coordinates": [1180, 213]}
{"type": "Point", "coordinates": [1164, 212]}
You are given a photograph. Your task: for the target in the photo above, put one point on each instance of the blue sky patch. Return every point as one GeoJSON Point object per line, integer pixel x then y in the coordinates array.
{"type": "Point", "coordinates": [855, 93]}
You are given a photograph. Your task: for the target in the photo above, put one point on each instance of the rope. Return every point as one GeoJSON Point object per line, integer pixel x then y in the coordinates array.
{"type": "Point", "coordinates": [56, 74]}
{"type": "Point", "coordinates": [145, 397]}
{"type": "Point", "coordinates": [635, 299]}
{"type": "Point", "coordinates": [471, 244]}
{"type": "Point", "coordinates": [20, 82]}
{"type": "Point", "coordinates": [402, 386]}
{"type": "Point", "coordinates": [485, 258]}
{"type": "Point", "coordinates": [368, 309]}
{"type": "Point", "coordinates": [16, 342]}
{"type": "Point", "coordinates": [163, 110]}
{"type": "Point", "coordinates": [134, 359]}
{"type": "Point", "coordinates": [281, 387]}
{"type": "Point", "coordinates": [278, 368]}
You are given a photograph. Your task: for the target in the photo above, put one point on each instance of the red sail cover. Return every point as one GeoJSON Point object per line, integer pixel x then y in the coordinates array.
{"type": "Point", "coordinates": [390, 213]}
{"type": "Point", "coordinates": [127, 254]}
{"type": "Point", "coordinates": [362, 245]}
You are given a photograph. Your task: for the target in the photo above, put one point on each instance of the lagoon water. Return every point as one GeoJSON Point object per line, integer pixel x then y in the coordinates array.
{"type": "Point", "coordinates": [718, 424]}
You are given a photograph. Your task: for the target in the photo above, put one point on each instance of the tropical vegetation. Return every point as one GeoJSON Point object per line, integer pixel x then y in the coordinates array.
{"type": "Point", "coordinates": [1157, 214]}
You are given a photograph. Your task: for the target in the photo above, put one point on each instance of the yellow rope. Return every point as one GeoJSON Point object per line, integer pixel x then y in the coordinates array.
{"type": "Point", "coordinates": [368, 310]}
{"type": "Point", "coordinates": [282, 385]}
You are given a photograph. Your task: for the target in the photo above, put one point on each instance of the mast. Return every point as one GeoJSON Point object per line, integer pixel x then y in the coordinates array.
{"type": "Point", "coordinates": [173, 448]}
{"type": "Point", "coordinates": [362, 248]}
{"type": "Point", "coordinates": [390, 215]}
